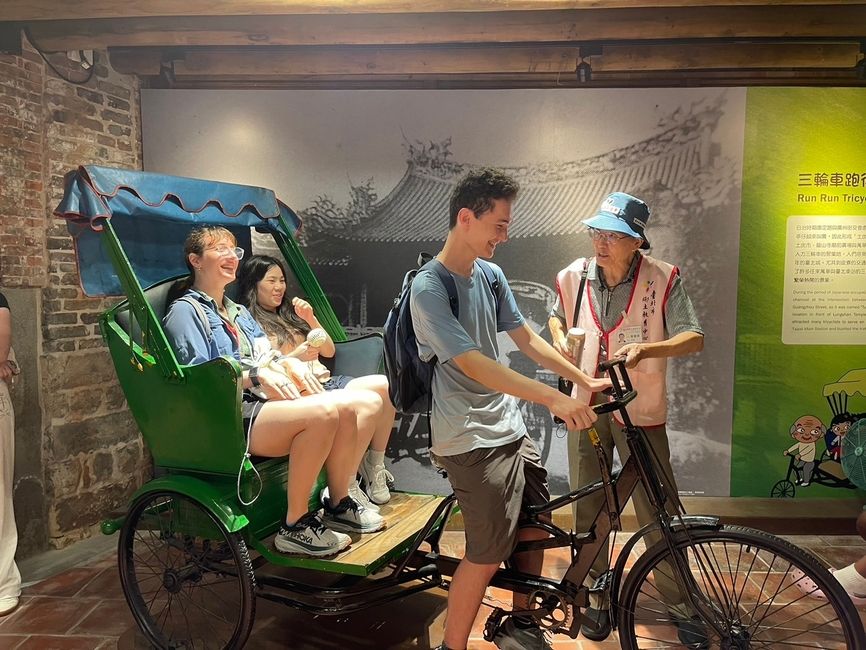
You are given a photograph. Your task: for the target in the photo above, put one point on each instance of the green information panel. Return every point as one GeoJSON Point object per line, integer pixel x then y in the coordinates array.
{"type": "Point", "coordinates": [800, 373]}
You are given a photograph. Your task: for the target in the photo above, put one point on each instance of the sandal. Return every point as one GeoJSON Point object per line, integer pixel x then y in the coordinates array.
{"type": "Point", "coordinates": [808, 588]}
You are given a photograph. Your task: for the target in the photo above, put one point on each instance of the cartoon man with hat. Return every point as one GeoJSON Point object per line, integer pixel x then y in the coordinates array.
{"type": "Point", "coordinates": [634, 307]}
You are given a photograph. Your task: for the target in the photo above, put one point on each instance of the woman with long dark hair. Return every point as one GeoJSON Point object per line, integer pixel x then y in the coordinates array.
{"type": "Point", "coordinates": [288, 323]}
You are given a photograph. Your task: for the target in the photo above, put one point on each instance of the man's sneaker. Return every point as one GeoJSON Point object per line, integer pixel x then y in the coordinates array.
{"type": "Point", "coordinates": [376, 479]}
{"type": "Point", "coordinates": [601, 618]}
{"type": "Point", "coordinates": [349, 517]}
{"type": "Point", "coordinates": [692, 633]}
{"type": "Point", "coordinates": [511, 636]}
{"type": "Point", "coordinates": [357, 494]}
{"type": "Point", "coordinates": [309, 536]}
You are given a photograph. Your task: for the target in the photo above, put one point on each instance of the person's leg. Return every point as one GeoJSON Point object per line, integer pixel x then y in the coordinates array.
{"type": "Point", "coordinates": [385, 422]}
{"type": "Point", "coordinates": [659, 447]}
{"type": "Point", "coordinates": [359, 409]}
{"type": "Point", "coordinates": [853, 576]}
{"type": "Point", "coordinates": [583, 469]}
{"type": "Point", "coordinates": [861, 530]}
{"type": "Point", "coordinates": [488, 484]}
{"type": "Point", "coordinates": [535, 492]}
{"type": "Point", "coordinates": [372, 464]}
{"type": "Point", "coordinates": [808, 467]}
{"type": "Point", "coordinates": [10, 578]}
{"type": "Point", "coordinates": [304, 429]}
{"type": "Point", "coordinates": [465, 594]}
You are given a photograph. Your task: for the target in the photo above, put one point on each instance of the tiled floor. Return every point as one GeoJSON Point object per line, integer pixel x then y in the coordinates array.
{"type": "Point", "coordinates": [82, 608]}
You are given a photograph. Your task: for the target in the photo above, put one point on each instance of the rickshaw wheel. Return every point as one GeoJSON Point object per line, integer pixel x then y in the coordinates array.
{"type": "Point", "coordinates": [188, 581]}
{"type": "Point", "coordinates": [782, 489]}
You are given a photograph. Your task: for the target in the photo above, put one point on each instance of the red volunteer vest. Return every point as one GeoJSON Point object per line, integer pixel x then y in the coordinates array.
{"type": "Point", "coordinates": [642, 322]}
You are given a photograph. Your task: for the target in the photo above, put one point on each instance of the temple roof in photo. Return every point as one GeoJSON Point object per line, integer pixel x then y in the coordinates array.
{"type": "Point", "coordinates": [554, 196]}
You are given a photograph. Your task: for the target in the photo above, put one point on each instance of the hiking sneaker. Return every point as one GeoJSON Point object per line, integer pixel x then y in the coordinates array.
{"type": "Point", "coordinates": [360, 497]}
{"type": "Point", "coordinates": [376, 480]}
{"type": "Point", "coordinates": [309, 536]}
{"type": "Point", "coordinates": [349, 517]}
{"type": "Point", "coordinates": [511, 636]}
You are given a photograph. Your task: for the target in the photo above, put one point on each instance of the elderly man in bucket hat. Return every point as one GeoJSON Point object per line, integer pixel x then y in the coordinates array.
{"type": "Point", "coordinates": [634, 307]}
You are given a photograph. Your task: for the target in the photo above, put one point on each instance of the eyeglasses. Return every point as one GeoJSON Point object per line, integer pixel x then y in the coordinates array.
{"type": "Point", "coordinates": [226, 251]}
{"type": "Point", "coordinates": [606, 236]}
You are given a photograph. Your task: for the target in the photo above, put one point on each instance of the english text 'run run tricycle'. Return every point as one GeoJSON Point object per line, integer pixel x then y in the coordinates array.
{"type": "Point", "coordinates": [195, 548]}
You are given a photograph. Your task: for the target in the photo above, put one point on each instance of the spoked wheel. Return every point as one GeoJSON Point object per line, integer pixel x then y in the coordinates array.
{"type": "Point", "coordinates": [751, 589]}
{"type": "Point", "coordinates": [782, 489]}
{"type": "Point", "coordinates": [188, 581]}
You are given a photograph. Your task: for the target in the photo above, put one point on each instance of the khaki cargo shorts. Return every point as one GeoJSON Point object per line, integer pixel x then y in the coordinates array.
{"type": "Point", "coordinates": [492, 486]}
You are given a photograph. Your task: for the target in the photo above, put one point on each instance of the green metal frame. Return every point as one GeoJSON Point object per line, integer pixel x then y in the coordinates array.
{"type": "Point", "coordinates": [153, 337]}
{"type": "Point", "coordinates": [204, 493]}
{"type": "Point", "coordinates": [304, 274]}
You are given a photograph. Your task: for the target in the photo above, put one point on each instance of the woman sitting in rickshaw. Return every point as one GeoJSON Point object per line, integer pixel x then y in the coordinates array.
{"type": "Point", "coordinates": [315, 430]}
{"type": "Point", "coordinates": [262, 289]}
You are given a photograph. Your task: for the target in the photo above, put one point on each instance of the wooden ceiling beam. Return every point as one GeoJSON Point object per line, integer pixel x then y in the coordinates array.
{"type": "Point", "coordinates": [478, 60]}
{"type": "Point", "coordinates": [493, 81]}
{"type": "Point", "coordinates": [743, 56]}
{"type": "Point", "coordinates": [33, 10]}
{"type": "Point", "coordinates": [499, 27]}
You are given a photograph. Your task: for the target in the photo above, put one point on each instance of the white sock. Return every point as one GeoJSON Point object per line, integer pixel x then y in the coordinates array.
{"type": "Point", "coordinates": [376, 457]}
{"type": "Point", "coordinates": [853, 582]}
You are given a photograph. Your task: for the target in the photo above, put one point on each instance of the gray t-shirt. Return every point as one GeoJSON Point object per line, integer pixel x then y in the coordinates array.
{"type": "Point", "coordinates": [466, 415]}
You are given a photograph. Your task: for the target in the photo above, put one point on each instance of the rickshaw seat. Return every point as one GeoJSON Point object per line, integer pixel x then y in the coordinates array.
{"type": "Point", "coordinates": [360, 356]}
{"type": "Point", "coordinates": [159, 296]}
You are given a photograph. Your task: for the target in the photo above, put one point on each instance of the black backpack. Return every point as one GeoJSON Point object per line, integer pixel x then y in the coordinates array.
{"type": "Point", "coordinates": [409, 378]}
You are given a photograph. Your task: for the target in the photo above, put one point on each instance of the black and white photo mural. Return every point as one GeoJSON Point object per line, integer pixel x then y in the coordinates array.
{"type": "Point", "coordinates": [370, 173]}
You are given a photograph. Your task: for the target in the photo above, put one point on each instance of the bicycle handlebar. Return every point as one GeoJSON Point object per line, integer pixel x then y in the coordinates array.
{"type": "Point", "coordinates": [615, 404]}
{"type": "Point", "coordinates": [611, 363]}
{"type": "Point", "coordinates": [621, 389]}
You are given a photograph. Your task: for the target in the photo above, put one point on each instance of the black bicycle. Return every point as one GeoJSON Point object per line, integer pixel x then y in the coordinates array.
{"type": "Point", "coordinates": [736, 587]}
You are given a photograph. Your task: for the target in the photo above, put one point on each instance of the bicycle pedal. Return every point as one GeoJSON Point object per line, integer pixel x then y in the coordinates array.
{"type": "Point", "coordinates": [602, 582]}
{"type": "Point", "coordinates": [493, 623]}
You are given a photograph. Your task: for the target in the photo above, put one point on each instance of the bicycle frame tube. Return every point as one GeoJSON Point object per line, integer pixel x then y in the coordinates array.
{"type": "Point", "coordinates": [638, 468]}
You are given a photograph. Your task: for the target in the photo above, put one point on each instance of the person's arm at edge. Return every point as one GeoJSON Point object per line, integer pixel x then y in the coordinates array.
{"type": "Point", "coordinates": [676, 346]}
{"type": "Point", "coordinates": [556, 326]}
{"type": "Point", "coordinates": [540, 351]}
{"type": "Point", "coordinates": [5, 343]}
{"type": "Point", "coordinates": [308, 315]}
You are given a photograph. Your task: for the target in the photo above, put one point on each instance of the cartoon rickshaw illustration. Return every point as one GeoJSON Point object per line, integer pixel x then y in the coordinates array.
{"type": "Point", "coordinates": [827, 469]}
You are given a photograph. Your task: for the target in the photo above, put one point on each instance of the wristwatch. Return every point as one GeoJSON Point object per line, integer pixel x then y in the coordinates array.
{"type": "Point", "coordinates": [254, 376]}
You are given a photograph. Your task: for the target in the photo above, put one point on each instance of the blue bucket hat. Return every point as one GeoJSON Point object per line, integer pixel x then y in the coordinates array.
{"type": "Point", "coordinates": [623, 213]}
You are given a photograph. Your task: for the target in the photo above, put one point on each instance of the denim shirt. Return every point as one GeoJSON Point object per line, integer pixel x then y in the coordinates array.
{"type": "Point", "coordinates": [194, 345]}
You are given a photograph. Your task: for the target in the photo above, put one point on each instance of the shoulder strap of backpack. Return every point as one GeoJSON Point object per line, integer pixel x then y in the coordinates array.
{"type": "Point", "coordinates": [200, 313]}
{"type": "Point", "coordinates": [492, 280]}
{"type": "Point", "coordinates": [448, 282]}
{"type": "Point", "coordinates": [451, 288]}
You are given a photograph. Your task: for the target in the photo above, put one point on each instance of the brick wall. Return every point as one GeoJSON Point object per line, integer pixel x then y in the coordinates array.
{"type": "Point", "coordinates": [91, 454]}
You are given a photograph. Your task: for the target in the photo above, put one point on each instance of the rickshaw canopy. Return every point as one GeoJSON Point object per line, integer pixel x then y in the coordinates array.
{"type": "Point", "coordinates": [851, 383]}
{"type": "Point", "coordinates": [134, 201]}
